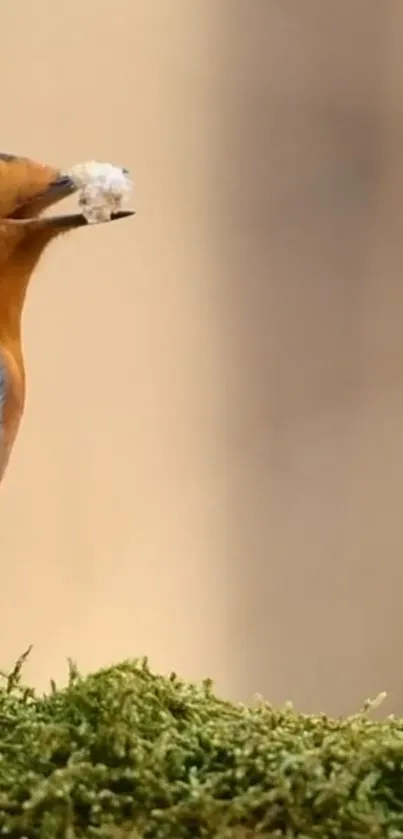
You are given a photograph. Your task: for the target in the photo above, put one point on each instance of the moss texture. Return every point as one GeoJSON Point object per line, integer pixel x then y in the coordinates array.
{"type": "Point", "coordinates": [124, 754]}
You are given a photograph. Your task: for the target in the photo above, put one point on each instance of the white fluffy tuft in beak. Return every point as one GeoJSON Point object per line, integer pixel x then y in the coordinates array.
{"type": "Point", "coordinates": [102, 189]}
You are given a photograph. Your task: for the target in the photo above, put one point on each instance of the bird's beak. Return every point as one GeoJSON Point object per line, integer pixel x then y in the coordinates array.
{"type": "Point", "coordinates": [71, 222]}
{"type": "Point", "coordinates": [60, 188]}
{"type": "Point", "coordinates": [41, 188]}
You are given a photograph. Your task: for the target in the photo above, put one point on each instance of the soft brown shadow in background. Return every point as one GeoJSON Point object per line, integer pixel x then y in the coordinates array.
{"type": "Point", "coordinates": [210, 470]}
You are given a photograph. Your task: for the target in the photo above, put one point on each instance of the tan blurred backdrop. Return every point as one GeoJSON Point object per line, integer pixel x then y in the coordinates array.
{"type": "Point", "coordinates": [210, 469]}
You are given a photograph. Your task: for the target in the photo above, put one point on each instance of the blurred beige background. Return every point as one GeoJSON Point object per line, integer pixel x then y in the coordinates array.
{"type": "Point", "coordinates": [210, 469]}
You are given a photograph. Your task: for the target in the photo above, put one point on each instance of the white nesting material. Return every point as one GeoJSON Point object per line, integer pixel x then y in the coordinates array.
{"type": "Point", "coordinates": [102, 187]}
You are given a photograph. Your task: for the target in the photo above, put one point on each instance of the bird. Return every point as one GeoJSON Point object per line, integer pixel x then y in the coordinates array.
{"type": "Point", "coordinates": [27, 189]}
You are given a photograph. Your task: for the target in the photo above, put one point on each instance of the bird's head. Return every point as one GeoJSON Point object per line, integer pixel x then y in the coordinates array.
{"type": "Point", "coordinates": [28, 188]}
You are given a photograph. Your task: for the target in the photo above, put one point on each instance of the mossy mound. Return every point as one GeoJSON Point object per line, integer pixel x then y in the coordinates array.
{"type": "Point", "coordinates": [126, 753]}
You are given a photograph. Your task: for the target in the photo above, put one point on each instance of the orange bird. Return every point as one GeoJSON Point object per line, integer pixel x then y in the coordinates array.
{"type": "Point", "coordinates": [26, 190]}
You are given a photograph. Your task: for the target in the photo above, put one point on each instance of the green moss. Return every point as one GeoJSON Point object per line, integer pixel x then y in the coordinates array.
{"type": "Point", "coordinates": [124, 754]}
